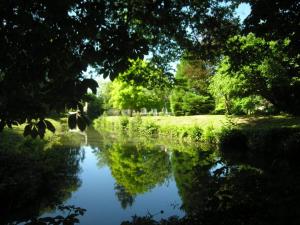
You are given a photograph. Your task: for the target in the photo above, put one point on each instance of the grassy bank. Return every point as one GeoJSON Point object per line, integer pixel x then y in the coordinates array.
{"type": "Point", "coordinates": [13, 140]}
{"type": "Point", "coordinates": [204, 128]}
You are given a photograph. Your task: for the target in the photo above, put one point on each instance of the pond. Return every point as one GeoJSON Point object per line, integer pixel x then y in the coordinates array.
{"type": "Point", "coordinates": [106, 180]}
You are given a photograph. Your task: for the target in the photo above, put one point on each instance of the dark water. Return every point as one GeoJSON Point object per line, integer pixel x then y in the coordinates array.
{"type": "Point", "coordinates": [113, 179]}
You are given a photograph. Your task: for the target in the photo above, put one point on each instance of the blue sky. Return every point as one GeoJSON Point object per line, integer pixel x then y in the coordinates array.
{"type": "Point", "coordinates": [243, 11]}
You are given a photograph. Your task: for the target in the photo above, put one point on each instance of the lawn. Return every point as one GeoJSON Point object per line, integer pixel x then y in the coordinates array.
{"type": "Point", "coordinates": [260, 122]}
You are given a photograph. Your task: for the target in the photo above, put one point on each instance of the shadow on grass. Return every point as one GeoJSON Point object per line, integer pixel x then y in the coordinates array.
{"type": "Point", "coordinates": [269, 122]}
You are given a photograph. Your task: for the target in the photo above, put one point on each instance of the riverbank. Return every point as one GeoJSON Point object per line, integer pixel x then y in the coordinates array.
{"type": "Point", "coordinates": [218, 130]}
{"type": "Point", "coordinates": [12, 140]}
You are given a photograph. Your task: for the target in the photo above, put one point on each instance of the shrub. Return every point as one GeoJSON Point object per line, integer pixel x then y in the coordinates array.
{"type": "Point", "coordinates": [232, 140]}
{"type": "Point", "coordinates": [209, 135]}
{"type": "Point", "coordinates": [196, 133]}
{"type": "Point", "coordinates": [149, 128]}
{"type": "Point", "coordinates": [162, 114]}
{"type": "Point", "coordinates": [189, 103]}
{"type": "Point", "coordinates": [135, 124]}
{"type": "Point", "coordinates": [124, 121]}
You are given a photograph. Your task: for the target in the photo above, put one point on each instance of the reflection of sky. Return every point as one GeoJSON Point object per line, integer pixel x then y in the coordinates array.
{"type": "Point", "coordinates": [216, 167]}
{"type": "Point", "coordinates": [97, 195]}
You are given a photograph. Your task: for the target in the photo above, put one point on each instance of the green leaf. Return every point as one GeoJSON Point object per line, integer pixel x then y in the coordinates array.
{"type": "Point", "coordinates": [41, 125]}
{"type": "Point", "coordinates": [34, 132]}
{"type": "Point", "coordinates": [47, 220]}
{"type": "Point", "coordinates": [27, 130]}
{"type": "Point", "coordinates": [72, 121]}
{"type": "Point", "coordinates": [81, 123]}
{"type": "Point", "coordinates": [86, 119]}
{"type": "Point", "coordinates": [49, 126]}
{"type": "Point", "coordinates": [9, 124]}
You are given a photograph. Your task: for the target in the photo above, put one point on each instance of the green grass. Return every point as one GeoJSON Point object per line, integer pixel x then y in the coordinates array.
{"type": "Point", "coordinates": [204, 128]}
{"type": "Point", "coordinates": [13, 139]}
{"type": "Point", "coordinates": [58, 124]}
{"type": "Point", "coordinates": [269, 122]}
{"type": "Point", "coordinates": [218, 121]}
{"type": "Point", "coordinates": [180, 121]}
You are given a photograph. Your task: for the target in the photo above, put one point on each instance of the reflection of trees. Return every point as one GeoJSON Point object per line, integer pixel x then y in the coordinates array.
{"type": "Point", "coordinates": [241, 190]}
{"type": "Point", "coordinates": [238, 192]}
{"type": "Point", "coordinates": [136, 169]}
{"type": "Point", "coordinates": [188, 166]}
{"type": "Point", "coordinates": [33, 180]}
{"type": "Point", "coordinates": [126, 199]}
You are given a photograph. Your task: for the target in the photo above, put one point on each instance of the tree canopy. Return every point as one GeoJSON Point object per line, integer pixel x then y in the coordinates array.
{"type": "Point", "coordinates": [190, 93]}
{"type": "Point", "coordinates": [265, 68]}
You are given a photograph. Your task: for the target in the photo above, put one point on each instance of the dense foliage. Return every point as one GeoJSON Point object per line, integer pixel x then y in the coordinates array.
{"type": "Point", "coordinates": [190, 95]}
{"type": "Point", "coordinates": [232, 92]}
{"type": "Point", "coordinates": [141, 86]}
{"type": "Point", "coordinates": [266, 69]}
{"type": "Point", "coordinates": [95, 106]}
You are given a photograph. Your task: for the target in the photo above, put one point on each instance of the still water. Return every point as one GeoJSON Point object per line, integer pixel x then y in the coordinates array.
{"type": "Point", "coordinates": [101, 194]}
{"type": "Point", "coordinates": [94, 178]}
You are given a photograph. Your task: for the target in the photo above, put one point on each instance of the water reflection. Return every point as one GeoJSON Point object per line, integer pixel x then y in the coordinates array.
{"type": "Point", "coordinates": [32, 182]}
{"type": "Point", "coordinates": [123, 177]}
{"type": "Point", "coordinates": [236, 186]}
{"type": "Point", "coordinates": [136, 167]}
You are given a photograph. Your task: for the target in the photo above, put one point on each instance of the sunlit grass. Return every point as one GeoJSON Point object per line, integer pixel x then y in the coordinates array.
{"type": "Point", "coordinates": [216, 121]}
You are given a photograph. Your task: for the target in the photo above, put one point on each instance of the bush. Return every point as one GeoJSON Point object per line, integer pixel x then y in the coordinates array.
{"type": "Point", "coordinates": [196, 133]}
{"type": "Point", "coordinates": [95, 106]}
{"type": "Point", "coordinates": [135, 124]}
{"type": "Point", "coordinates": [162, 114]}
{"type": "Point", "coordinates": [232, 140]}
{"type": "Point", "coordinates": [209, 135]}
{"type": "Point", "coordinates": [149, 128]}
{"type": "Point", "coordinates": [189, 103]}
{"type": "Point", "coordinates": [250, 105]}
{"type": "Point", "coordinates": [124, 121]}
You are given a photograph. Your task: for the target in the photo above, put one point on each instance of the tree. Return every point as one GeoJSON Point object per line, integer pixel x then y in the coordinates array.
{"type": "Point", "coordinates": [45, 46]}
{"type": "Point", "coordinates": [129, 96]}
{"type": "Point", "coordinates": [263, 68]}
{"type": "Point", "coordinates": [190, 95]}
{"type": "Point", "coordinates": [95, 106]}
{"type": "Point", "coordinates": [138, 169]}
{"type": "Point", "coordinates": [275, 20]}
{"type": "Point", "coordinates": [232, 95]}
{"type": "Point", "coordinates": [194, 74]}
{"type": "Point", "coordinates": [224, 87]}
{"type": "Point", "coordinates": [141, 86]}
